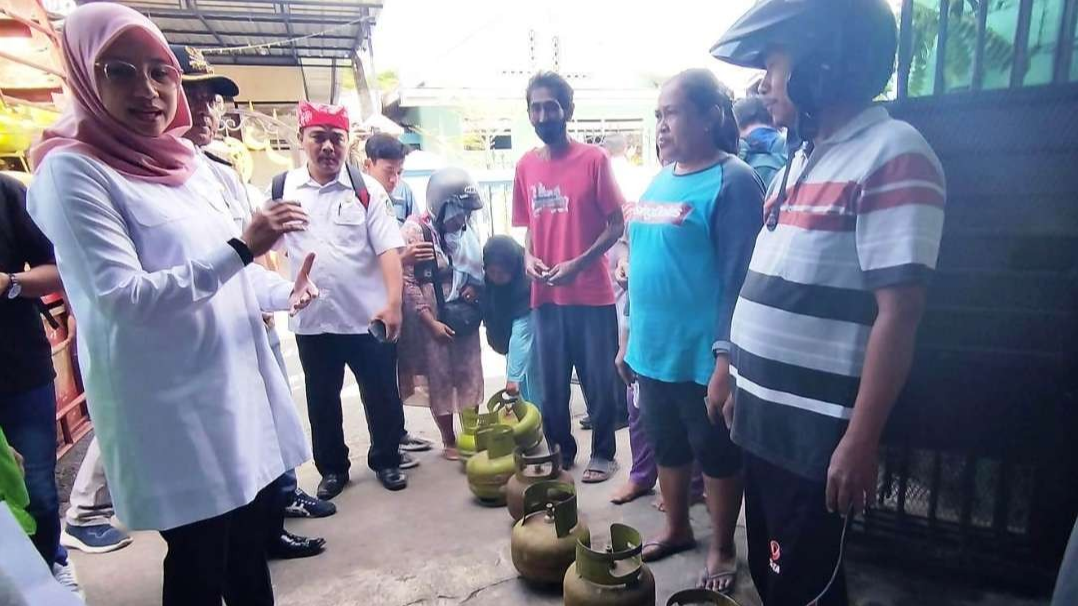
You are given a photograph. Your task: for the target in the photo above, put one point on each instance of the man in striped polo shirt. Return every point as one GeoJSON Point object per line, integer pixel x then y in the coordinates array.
{"type": "Point", "coordinates": [824, 327]}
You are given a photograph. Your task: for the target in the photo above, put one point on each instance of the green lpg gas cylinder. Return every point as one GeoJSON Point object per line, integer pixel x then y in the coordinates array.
{"type": "Point", "coordinates": [524, 417]}
{"type": "Point", "coordinates": [471, 420]}
{"type": "Point", "coordinates": [615, 576]}
{"type": "Point", "coordinates": [530, 470]}
{"type": "Point", "coordinates": [699, 597]}
{"type": "Point", "coordinates": [490, 469]}
{"type": "Point", "coordinates": [544, 541]}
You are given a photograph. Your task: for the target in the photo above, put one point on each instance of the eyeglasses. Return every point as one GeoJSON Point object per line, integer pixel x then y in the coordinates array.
{"type": "Point", "coordinates": [201, 95]}
{"type": "Point", "coordinates": [162, 76]}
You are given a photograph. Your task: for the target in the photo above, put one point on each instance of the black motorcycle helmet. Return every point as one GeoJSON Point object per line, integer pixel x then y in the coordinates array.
{"type": "Point", "coordinates": [842, 50]}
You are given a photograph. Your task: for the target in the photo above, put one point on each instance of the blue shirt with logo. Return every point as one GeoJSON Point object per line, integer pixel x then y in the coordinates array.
{"type": "Point", "coordinates": [690, 241]}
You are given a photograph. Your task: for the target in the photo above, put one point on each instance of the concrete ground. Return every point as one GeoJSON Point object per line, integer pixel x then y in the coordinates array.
{"type": "Point", "coordinates": [432, 545]}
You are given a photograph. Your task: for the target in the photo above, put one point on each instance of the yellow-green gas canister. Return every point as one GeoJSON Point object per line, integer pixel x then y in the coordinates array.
{"type": "Point", "coordinates": [699, 597]}
{"type": "Point", "coordinates": [471, 420]}
{"type": "Point", "coordinates": [490, 469]}
{"type": "Point", "coordinates": [544, 541]}
{"type": "Point", "coordinates": [614, 577]}
{"type": "Point", "coordinates": [524, 417]}
{"type": "Point", "coordinates": [530, 470]}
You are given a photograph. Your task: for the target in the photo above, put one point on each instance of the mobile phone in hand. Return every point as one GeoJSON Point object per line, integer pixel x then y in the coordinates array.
{"type": "Point", "coordinates": [378, 331]}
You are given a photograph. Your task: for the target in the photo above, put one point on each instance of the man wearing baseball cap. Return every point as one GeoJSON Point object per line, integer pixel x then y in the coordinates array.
{"type": "Point", "coordinates": [204, 90]}
{"type": "Point", "coordinates": [353, 230]}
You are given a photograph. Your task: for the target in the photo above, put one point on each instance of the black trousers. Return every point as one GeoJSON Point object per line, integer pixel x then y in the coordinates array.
{"type": "Point", "coordinates": [374, 365]}
{"type": "Point", "coordinates": [793, 540]}
{"type": "Point", "coordinates": [585, 338]}
{"type": "Point", "coordinates": [222, 557]}
{"type": "Point", "coordinates": [679, 430]}
{"type": "Point", "coordinates": [280, 496]}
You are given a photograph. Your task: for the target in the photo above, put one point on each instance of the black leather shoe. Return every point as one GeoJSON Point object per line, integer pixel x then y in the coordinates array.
{"type": "Point", "coordinates": [331, 485]}
{"type": "Point", "coordinates": [392, 478]}
{"type": "Point", "coordinates": [291, 547]}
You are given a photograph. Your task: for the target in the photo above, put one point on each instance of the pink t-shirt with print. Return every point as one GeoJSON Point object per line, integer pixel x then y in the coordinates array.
{"type": "Point", "coordinates": [565, 203]}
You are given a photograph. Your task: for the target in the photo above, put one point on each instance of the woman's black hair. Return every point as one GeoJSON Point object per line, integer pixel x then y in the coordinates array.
{"type": "Point", "coordinates": [705, 92]}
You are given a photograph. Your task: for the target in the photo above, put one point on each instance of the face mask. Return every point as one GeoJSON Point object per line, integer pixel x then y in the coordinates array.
{"type": "Point", "coordinates": [452, 241]}
{"type": "Point", "coordinates": [453, 212]}
{"type": "Point", "coordinates": [550, 132]}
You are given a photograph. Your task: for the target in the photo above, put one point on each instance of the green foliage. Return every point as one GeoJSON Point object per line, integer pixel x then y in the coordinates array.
{"type": "Point", "coordinates": [961, 44]}
{"type": "Point", "coordinates": [388, 81]}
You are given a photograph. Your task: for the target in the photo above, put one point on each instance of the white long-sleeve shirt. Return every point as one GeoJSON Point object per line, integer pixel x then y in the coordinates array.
{"type": "Point", "coordinates": [191, 411]}
{"type": "Point", "coordinates": [348, 239]}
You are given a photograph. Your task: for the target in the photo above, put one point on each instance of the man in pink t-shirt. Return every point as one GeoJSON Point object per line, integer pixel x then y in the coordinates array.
{"type": "Point", "coordinates": [566, 195]}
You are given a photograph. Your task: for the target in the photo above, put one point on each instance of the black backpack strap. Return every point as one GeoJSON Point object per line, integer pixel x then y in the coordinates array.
{"type": "Point", "coordinates": [430, 268]}
{"type": "Point", "coordinates": [277, 187]}
{"type": "Point", "coordinates": [356, 177]}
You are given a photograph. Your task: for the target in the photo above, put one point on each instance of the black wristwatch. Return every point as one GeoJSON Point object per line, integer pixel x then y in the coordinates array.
{"type": "Point", "coordinates": [242, 250]}
{"type": "Point", "coordinates": [14, 289]}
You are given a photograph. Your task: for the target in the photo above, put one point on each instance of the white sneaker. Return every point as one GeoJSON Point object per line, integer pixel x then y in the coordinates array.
{"type": "Point", "coordinates": [65, 576]}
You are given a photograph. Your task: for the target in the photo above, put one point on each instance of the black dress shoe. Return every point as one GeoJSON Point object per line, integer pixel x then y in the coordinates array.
{"type": "Point", "coordinates": [392, 478]}
{"type": "Point", "coordinates": [331, 485]}
{"type": "Point", "coordinates": [290, 547]}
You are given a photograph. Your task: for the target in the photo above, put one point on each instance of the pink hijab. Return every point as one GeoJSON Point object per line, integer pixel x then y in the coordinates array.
{"type": "Point", "coordinates": [87, 128]}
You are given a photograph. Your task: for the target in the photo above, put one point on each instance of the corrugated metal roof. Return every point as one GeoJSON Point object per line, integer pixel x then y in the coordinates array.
{"type": "Point", "coordinates": [208, 24]}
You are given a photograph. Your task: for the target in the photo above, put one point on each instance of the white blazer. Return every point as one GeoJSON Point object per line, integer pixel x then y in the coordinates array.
{"type": "Point", "coordinates": [191, 411]}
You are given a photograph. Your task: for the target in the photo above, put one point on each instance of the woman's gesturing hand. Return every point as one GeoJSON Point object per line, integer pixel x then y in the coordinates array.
{"type": "Point", "coordinates": [304, 291]}
{"type": "Point", "coordinates": [269, 224]}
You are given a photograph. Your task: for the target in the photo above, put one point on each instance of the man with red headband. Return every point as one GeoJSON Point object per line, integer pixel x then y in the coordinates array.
{"type": "Point", "coordinates": [354, 231]}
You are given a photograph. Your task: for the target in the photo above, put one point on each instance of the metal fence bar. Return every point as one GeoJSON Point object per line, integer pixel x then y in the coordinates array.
{"type": "Point", "coordinates": [1065, 47]}
{"type": "Point", "coordinates": [1001, 507]}
{"type": "Point", "coordinates": [977, 81]}
{"type": "Point", "coordinates": [903, 480]}
{"type": "Point", "coordinates": [905, 49]}
{"type": "Point", "coordinates": [968, 487]}
{"type": "Point", "coordinates": [935, 486]}
{"type": "Point", "coordinates": [1021, 43]}
{"type": "Point", "coordinates": [940, 86]}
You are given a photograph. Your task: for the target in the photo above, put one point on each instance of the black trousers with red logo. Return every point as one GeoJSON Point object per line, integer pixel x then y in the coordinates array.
{"type": "Point", "coordinates": [793, 540]}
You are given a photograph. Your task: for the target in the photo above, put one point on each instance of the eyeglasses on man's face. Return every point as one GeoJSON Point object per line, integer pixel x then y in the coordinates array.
{"type": "Point", "coordinates": [199, 95]}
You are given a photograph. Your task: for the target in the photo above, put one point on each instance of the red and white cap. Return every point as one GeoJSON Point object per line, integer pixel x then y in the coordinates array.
{"type": "Point", "coordinates": [321, 114]}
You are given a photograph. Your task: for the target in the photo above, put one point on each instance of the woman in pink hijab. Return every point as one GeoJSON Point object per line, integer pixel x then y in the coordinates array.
{"type": "Point", "coordinates": [193, 417]}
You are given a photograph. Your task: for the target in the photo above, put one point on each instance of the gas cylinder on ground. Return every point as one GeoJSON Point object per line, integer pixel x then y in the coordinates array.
{"type": "Point", "coordinates": [616, 576]}
{"type": "Point", "coordinates": [471, 420]}
{"type": "Point", "coordinates": [524, 417]}
{"type": "Point", "coordinates": [700, 597]}
{"type": "Point", "coordinates": [530, 470]}
{"type": "Point", "coordinates": [490, 469]}
{"type": "Point", "coordinates": [544, 541]}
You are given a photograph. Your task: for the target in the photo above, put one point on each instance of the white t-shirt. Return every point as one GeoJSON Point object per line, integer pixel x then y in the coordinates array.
{"type": "Point", "coordinates": [347, 239]}
{"type": "Point", "coordinates": [191, 411]}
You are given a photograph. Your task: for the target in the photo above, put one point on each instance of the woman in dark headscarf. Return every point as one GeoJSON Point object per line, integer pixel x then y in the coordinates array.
{"type": "Point", "coordinates": [507, 315]}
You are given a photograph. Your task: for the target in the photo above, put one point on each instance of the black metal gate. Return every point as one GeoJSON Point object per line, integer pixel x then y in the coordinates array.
{"type": "Point", "coordinates": [979, 472]}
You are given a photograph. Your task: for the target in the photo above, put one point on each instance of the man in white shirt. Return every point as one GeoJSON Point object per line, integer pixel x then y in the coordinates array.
{"type": "Point", "coordinates": [354, 231]}
{"type": "Point", "coordinates": [204, 90]}
{"type": "Point", "coordinates": [385, 162]}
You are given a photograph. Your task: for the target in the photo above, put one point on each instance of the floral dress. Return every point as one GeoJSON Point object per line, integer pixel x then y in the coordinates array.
{"type": "Point", "coordinates": [449, 375]}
